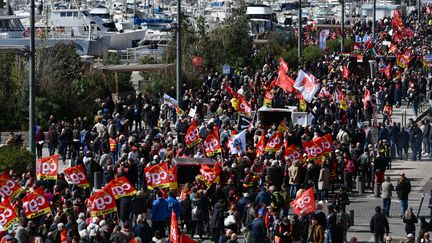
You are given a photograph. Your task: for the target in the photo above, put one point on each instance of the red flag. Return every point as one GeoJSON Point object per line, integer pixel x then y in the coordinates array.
{"type": "Point", "coordinates": [161, 176]}
{"type": "Point", "coordinates": [396, 20]}
{"type": "Point", "coordinates": [76, 176]}
{"type": "Point", "coordinates": [305, 202]}
{"type": "Point", "coordinates": [260, 145]}
{"type": "Point", "coordinates": [192, 136]}
{"type": "Point", "coordinates": [366, 98]}
{"type": "Point", "coordinates": [231, 92]}
{"type": "Point", "coordinates": [174, 229]}
{"type": "Point", "coordinates": [210, 175]}
{"type": "Point", "coordinates": [34, 204]}
{"type": "Point", "coordinates": [397, 37]}
{"type": "Point", "coordinates": [8, 216]}
{"type": "Point", "coordinates": [102, 203]}
{"type": "Point", "coordinates": [283, 80]}
{"type": "Point", "coordinates": [392, 48]}
{"type": "Point", "coordinates": [387, 71]}
{"type": "Point", "coordinates": [283, 65]}
{"type": "Point", "coordinates": [409, 33]}
{"type": "Point", "coordinates": [345, 72]}
{"type": "Point", "coordinates": [121, 187]}
{"type": "Point", "coordinates": [8, 187]}
{"type": "Point", "coordinates": [268, 98]}
{"type": "Point", "coordinates": [186, 239]}
{"type": "Point", "coordinates": [274, 143]}
{"type": "Point", "coordinates": [47, 168]}
{"type": "Point", "coordinates": [293, 153]}
{"type": "Point", "coordinates": [324, 142]}
{"type": "Point", "coordinates": [244, 107]}
{"type": "Point", "coordinates": [212, 143]}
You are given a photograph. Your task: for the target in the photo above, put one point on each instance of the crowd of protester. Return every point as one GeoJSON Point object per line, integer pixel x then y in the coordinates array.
{"type": "Point", "coordinates": [253, 195]}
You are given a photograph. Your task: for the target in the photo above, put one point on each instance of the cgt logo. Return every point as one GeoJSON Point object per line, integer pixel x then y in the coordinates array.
{"type": "Point", "coordinates": [6, 190]}
{"type": "Point", "coordinates": [313, 151]}
{"type": "Point", "coordinates": [325, 145]}
{"type": "Point", "coordinates": [5, 215]}
{"type": "Point", "coordinates": [302, 202]}
{"type": "Point", "coordinates": [48, 167]}
{"type": "Point", "coordinates": [76, 178]}
{"type": "Point", "coordinates": [212, 145]}
{"type": "Point", "coordinates": [192, 136]}
{"type": "Point", "coordinates": [244, 107]}
{"type": "Point", "coordinates": [208, 176]}
{"type": "Point", "coordinates": [157, 177]}
{"type": "Point", "coordinates": [121, 189]}
{"type": "Point", "coordinates": [101, 202]}
{"type": "Point", "coordinates": [274, 142]}
{"type": "Point", "coordinates": [295, 155]}
{"type": "Point", "coordinates": [34, 204]}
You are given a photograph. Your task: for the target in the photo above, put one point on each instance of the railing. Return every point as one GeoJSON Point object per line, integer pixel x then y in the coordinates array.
{"type": "Point", "coordinates": [135, 54]}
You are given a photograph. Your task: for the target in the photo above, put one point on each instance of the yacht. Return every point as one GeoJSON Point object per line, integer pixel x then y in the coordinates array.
{"type": "Point", "coordinates": [13, 33]}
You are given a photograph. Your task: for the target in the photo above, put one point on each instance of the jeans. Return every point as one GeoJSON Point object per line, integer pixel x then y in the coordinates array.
{"type": "Point", "coordinates": [378, 237]}
{"type": "Point", "coordinates": [403, 205]}
{"type": "Point", "coordinates": [426, 144]}
{"type": "Point", "coordinates": [293, 191]}
{"type": "Point", "coordinates": [386, 205]}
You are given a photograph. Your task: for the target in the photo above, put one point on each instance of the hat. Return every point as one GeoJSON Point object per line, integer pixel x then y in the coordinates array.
{"type": "Point", "coordinates": [410, 235]}
{"type": "Point", "coordinates": [134, 148]}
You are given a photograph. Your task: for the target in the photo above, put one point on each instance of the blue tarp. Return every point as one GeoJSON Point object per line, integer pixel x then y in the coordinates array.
{"type": "Point", "coordinates": [139, 21]}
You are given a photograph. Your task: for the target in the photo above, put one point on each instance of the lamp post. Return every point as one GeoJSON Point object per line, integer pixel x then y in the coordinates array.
{"type": "Point", "coordinates": [374, 18]}
{"type": "Point", "coordinates": [32, 78]}
{"type": "Point", "coordinates": [299, 39]}
{"type": "Point", "coordinates": [178, 52]}
{"type": "Point", "coordinates": [342, 26]}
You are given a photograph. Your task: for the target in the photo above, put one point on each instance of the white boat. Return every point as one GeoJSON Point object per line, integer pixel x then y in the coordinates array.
{"type": "Point", "coordinates": [13, 34]}
{"type": "Point", "coordinates": [76, 23]}
{"type": "Point", "coordinates": [261, 19]}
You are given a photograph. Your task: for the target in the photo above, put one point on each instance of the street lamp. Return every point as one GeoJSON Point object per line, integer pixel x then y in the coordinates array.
{"type": "Point", "coordinates": [32, 78]}
{"type": "Point", "coordinates": [299, 39]}
{"type": "Point", "coordinates": [342, 26]}
{"type": "Point", "coordinates": [178, 54]}
{"type": "Point", "coordinates": [374, 18]}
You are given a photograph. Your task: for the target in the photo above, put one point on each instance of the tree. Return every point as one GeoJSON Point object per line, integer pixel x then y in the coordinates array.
{"type": "Point", "coordinates": [13, 91]}
{"type": "Point", "coordinates": [16, 158]}
{"type": "Point", "coordinates": [312, 53]}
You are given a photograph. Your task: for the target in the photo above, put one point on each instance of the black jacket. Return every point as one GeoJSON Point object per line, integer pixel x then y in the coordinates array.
{"type": "Point", "coordinates": [379, 224]}
{"type": "Point", "coordinates": [217, 219]}
{"type": "Point", "coordinates": [403, 188]}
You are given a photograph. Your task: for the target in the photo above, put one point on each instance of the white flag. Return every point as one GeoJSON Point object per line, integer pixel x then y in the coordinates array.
{"type": "Point", "coordinates": [305, 83]}
{"type": "Point", "coordinates": [237, 143]}
{"type": "Point", "coordinates": [170, 101]}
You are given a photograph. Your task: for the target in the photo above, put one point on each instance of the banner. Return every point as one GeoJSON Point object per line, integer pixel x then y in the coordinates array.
{"type": "Point", "coordinates": [34, 204]}
{"type": "Point", "coordinates": [212, 144]}
{"type": "Point", "coordinates": [404, 59]}
{"type": "Point", "coordinates": [237, 143]}
{"type": "Point", "coordinates": [323, 38]}
{"type": "Point", "coordinates": [171, 102]}
{"type": "Point", "coordinates": [274, 143]}
{"type": "Point", "coordinates": [102, 203]}
{"type": "Point", "coordinates": [306, 85]}
{"type": "Point", "coordinates": [192, 136]}
{"type": "Point", "coordinates": [121, 187]}
{"type": "Point", "coordinates": [304, 203]}
{"type": "Point", "coordinates": [76, 176]}
{"type": "Point", "coordinates": [293, 153]}
{"type": "Point", "coordinates": [161, 176]}
{"type": "Point", "coordinates": [173, 236]}
{"type": "Point", "coordinates": [47, 168]}
{"type": "Point", "coordinates": [8, 216]}
{"type": "Point", "coordinates": [209, 175]}
{"type": "Point", "coordinates": [8, 187]}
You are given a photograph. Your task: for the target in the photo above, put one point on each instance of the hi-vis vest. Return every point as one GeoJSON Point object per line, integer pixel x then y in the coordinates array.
{"type": "Point", "coordinates": [113, 144]}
